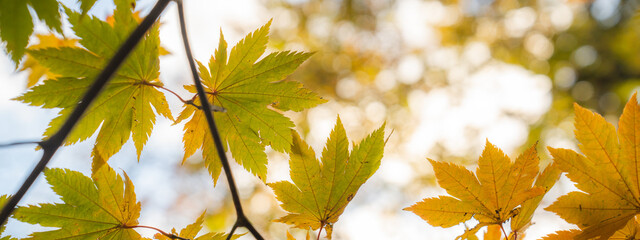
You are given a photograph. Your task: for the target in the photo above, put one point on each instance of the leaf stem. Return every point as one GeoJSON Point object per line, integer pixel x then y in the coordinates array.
{"type": "Point", "coordinates": [18, 143]}
{"type": "Point", "coordinates": [51, 145]}
{"type": "Point", "coordinates": [169, 235]}
{"type": "Point", "coordinates": [504, 232]}
{"type": "Point", "coordinates": [319, 231]}
{"type": "Point", "coordinates": [242, 220]}
{"type": "Point", "coordinates": [189, 102]}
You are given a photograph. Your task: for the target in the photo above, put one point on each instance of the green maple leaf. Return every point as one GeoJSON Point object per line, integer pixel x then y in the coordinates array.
{"type": "Point", "coordinates": [101, 207]}
{"type": "Point", "coordinates": [85, 5]}
{"type": "Point", "coordinates": [124, 107]}
{"type": "Point", "coordinates": [253, 94]}
{"type": "Point", "coordinates": [3, 200]}
{"type": "Point", "coordinates": [16, 22]}
{"type": "Point", "coordinates": [191, 230]}
{"type": "Point", "coordinates": [321, 190]}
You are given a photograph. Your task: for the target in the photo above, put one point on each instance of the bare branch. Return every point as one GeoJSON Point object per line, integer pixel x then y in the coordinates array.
{"type": "Point", "coordinates": [241, 220]}
{"type": "Point", "coordinates": [18, 143]}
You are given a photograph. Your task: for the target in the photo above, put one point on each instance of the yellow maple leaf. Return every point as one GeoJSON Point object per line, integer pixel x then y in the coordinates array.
{"type": "Point", "coordinates": [290, 237]}
{"type": "Point", "coordinates": [492, 197]}
{"type": "Point", "coordinates": [607, 173]}
{"type": "Point", "coordinates": [562, 235]}
{"type": "Point", "coordinates": [629, 231]}
{"type": "Point", "coordinates": [36, 70]}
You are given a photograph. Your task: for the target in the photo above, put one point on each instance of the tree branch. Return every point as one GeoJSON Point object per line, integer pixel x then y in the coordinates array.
{"type": "Point", "coordinates": [18, 143]}
{"type": "Point", "coordinates": [242, 220]}
{"type": "Point", "coordinates": [51, 145]}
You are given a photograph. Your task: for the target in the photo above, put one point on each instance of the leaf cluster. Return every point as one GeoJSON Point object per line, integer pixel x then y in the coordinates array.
{"type": "Point", "coordinates": [249, 91]}
{"type": "Point", "coordinates": [606, 173]}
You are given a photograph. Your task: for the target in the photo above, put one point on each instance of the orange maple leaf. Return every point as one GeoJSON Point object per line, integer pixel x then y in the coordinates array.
{"type": "Point", "coordinates": [493, 197]}
{"type": "Point", "coordinates": [607, 173]}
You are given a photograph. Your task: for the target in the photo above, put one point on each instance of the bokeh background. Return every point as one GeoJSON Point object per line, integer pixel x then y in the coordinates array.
{"type": "Point", "coordinates": [444, 75]}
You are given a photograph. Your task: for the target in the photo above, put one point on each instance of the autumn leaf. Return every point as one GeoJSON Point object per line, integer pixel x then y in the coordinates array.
{"type": "Point", "coordinates": [321, 190]}
{"type": "Point", "coordinates": [629, 231]}
{"type": "Point", "coordinates": [607, 173]}
{"type": "Point", "coordinates": [493, 233]}
{"type": "Point", "coordinates": [290, 237]}
{"type": "Point", "coordinates": [522, 221]}
{"type": "Point", "coordinates": [36, 70]}
{"type": "Point", "coordinates": [562, 235]}
{"type": "Point", "coordinates": [3, 200]}
{"type": "Point", "coordinates": [124, 108]}
{"type": "Point", "coordinates": [191, 230]}
{"type": "Point", "coordinates": [253, 96]}
{"type": "Point", "coordinates": [16, 23]}
{"type": "Point", "coordinates": [101, 207]}
{"type": "Point", "coordinates": [491, 198]}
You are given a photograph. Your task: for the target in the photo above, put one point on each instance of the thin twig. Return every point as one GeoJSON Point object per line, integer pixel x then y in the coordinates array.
{"type": "Point", "coordinates": [51, 145]}
{"type": "Point", "coordinates": [189, 102]}
{"type": "Point", "coordinates": [233, 230]}
{"type": "Point", "coordinates": [242, 220]}
{"type": "Point", "coordinates": [18, 143]}
{"type": "Point", "coordinates": [319, 231]}
{"type": "Point", "coordinates": [169, 235]}
{"type": "Point", "coordinates": [504, 232]}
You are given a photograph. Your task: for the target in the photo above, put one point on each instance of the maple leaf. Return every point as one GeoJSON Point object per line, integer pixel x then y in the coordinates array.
{"type": "Point", "coordinates": [101, 207]}
{"type": "Point", "coordinates": [85, 5]}
{"type": "Point", "coordinates": [191, 230]}
{"type": "Point", "coordinates": [630, 231]}
{"type": "Point", "coordinates": [491, 198]}
{"type": "Point", "coordinates": [562, 235]}
{"type": "Point", "coordinates": [252, 94]}
{"type": "Point", "coordinates": [36, 70]}
{"type": "Point", "coordinates": [321, 190]}
{"type": "Point", "coordinates": [493, 233]}
{"type": "Point", "coordinates": [522, 221]}
{"type": "Point", "coordinates": [16, 23]}
{"type": "Point", "coordinates": [290, 237]}
{"type": "Point", "coordinates": [124, 108]}
{"type": "Point", "coordinates": [3, 200]}
{"type": "Point", "coordinates": [607, 173]}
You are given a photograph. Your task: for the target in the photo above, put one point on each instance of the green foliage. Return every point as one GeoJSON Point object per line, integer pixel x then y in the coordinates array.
{"type": "Point", "coordinates": [101, 207]}
{"type": "Point", "coordinates": [322, 189]}
{"type": "Point", "coordinates": [124, 108]}
{"type": "Point", "coordinates": [85, 5]}
{"type": "Point", "coordinates": [251, 91]}
{"type": "Point", "coordinates": [252, 94]}
{"type": "Point", "coordinates": [3, 200]}
{"type": "Point", "coordinates": [16, 23]}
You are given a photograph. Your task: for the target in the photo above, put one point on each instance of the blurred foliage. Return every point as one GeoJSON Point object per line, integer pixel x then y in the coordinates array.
{"type": "Point", "coordinates": [587, 48]}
